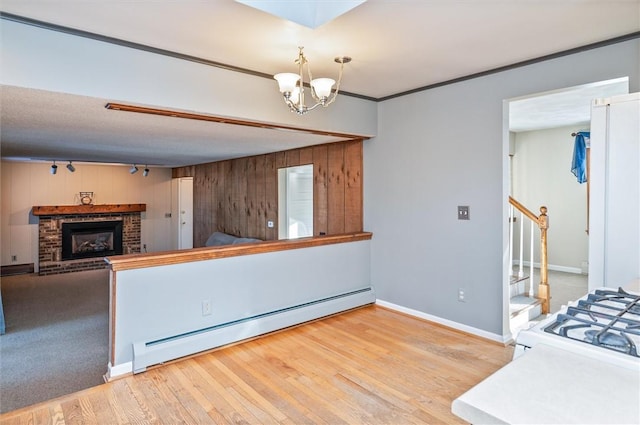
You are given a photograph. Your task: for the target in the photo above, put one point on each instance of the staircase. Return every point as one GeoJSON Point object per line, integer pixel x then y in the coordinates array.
{"type": "Point", "coordinates": [524, 310]}
{"type": "Point", "coordinates": [528, 303]}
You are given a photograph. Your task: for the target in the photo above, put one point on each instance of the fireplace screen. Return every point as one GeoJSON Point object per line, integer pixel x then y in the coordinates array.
{"type": "Point", "coordinates": [91, 239]}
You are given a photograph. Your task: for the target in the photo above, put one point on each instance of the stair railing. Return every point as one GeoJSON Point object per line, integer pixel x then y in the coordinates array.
{"type": "Point", "coordinates": [542, 221]}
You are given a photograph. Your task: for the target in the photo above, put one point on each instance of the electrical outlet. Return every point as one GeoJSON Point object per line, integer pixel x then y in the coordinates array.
{"type": "Point", "coordinates": [14, 258]}
{"type": "Point", "coordinates": [584, 269]}
{"type": "Point", "coordinates": [270, 224]}
{"type": "Point", "coordinates": [206, 307]}
{"type": "Point", "coordinates": [461, 295]}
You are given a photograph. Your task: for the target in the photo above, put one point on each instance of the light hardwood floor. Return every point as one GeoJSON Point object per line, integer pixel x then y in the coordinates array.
{"type": "Point", "coordinates": [366, 366]}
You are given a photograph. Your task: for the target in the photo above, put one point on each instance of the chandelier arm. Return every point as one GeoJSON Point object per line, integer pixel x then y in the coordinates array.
{"type": "Point", "coordinates": [289, 103]}
{"type": "Point", "coordinates": [332, 98]}
{"type": "Point", "coordinates": [313, 107]}
{"type": "Point", "coordinates": [313, 91]}
{"type": "Point", "coordinates": [298, 109]}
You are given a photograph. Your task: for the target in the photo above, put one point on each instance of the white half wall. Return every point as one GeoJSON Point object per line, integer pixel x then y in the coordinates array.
{"type": "Point", "coordinates": [164, 301]}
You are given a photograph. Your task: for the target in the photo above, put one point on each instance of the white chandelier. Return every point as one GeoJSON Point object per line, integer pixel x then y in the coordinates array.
{"type": "Point", "coordinates": [292, 86]}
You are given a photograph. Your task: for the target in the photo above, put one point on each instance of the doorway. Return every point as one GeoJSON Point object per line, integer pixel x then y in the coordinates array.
{"type": "Point", "coordinates": [540, 131]}
{"type": "Point", "coordinates": [295, 202]}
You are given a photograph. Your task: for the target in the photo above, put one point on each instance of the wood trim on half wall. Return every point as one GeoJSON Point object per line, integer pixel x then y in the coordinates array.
{"type": "Point", "coordinates": [239, 196]}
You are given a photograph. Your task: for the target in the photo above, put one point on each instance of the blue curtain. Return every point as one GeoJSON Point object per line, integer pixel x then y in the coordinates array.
{"type": "Point", "coordinates": [579, 163]}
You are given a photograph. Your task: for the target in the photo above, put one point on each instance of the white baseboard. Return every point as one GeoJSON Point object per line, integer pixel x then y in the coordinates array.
{"type": "Point", "coordinates": [448, 323]}
{"type": "Point", "coordinates": [566, 269]}
{"type": "Point", "coordinates": [575, 270]}
{"type": "Point", "coordinates": [118, 370]}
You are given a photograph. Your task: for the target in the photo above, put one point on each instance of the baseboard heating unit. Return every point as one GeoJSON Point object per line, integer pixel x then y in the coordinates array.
{"type": "Point", "coordinates": [157, 351]}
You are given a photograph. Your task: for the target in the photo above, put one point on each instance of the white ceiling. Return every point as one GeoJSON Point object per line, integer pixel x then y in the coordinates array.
{"type": "Point", "coordinates": [80, 128]}
{"type": "Point", "coordinates": [564, 107]}
{"type": "Point", "coordinates": [396, 46]}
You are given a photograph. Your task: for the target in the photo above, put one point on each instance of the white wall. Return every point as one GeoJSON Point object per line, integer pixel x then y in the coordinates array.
{"type": "Point", "coordinates": [445, 147]}
{"type": "Point", "coordinates": [25, 185]}
{"type": "Point", "coordinates": [48, 60]}
{"type": "Point", "coordinates": [542, 176]}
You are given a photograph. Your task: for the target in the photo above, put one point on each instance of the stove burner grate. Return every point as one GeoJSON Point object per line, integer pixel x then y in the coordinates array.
{"type": "Point", "coordinates": [605, 318]}
{"type": "Point", "coordinates": [611, 340]}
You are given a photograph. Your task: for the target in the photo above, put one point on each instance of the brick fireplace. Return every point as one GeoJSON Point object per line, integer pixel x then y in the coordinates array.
{"type": "Point", "coordinates": [52, 219]}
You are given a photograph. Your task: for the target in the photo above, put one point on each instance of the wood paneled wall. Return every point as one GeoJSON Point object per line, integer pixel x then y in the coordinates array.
{"type": "Point", "coordinates": [239, 196]}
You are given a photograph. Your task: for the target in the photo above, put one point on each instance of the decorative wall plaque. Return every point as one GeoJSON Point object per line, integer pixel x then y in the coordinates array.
{"type": "Point", "coordinates": [86, 198]}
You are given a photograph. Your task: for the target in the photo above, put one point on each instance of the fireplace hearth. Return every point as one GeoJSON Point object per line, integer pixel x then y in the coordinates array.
{"type": "Point", "coordinates": [89, 239]}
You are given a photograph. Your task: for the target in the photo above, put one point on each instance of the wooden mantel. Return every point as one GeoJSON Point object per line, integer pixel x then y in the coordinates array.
{"type": "Point", "coordinates": [87, 209]}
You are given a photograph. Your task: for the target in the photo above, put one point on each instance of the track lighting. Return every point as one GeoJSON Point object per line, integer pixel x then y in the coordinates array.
{"type": "Point", "coordinates": [70, 167]}
{"type": "Point", "coordinates": [145, 173]}
{"type": "Point", "coordinates": [133, 169]}
{"type": "Point", "coordinates": [54, 168]}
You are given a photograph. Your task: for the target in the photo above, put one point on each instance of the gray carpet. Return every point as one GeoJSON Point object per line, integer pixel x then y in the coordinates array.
{"type": "Point", "coordinates": [57, 336]}
{"type": "Point", "coordinates": [564, 287]}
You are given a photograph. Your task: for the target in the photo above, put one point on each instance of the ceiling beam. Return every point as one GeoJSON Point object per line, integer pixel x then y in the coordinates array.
{"type": "Point", "coordinates": [226, 120]}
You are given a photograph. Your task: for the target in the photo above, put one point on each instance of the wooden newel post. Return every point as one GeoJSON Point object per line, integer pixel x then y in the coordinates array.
{"type": "Point", "coordinates": [543, 288]}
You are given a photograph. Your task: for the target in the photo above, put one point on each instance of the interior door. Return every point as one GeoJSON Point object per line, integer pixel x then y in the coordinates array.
{"type": "Point", "coordinates": [185, 213]}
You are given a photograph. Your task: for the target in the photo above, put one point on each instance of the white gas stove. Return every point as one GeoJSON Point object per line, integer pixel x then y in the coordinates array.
{"type": "Point", "coordinates": [579, 366]}
{"type": "Point", "coordinates": [604, 325]}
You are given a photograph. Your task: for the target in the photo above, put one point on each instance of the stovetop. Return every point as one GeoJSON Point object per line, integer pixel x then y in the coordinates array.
{"type": "Point", "coordinates": [607, 319]}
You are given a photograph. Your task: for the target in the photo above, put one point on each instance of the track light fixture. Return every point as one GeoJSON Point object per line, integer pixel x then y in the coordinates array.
{"type": "Point", "coordinates": [145, 173]}
{"type": "Point", "coordinates": [133, 169]}
{"type": "Point", "coordinates": [70, 167]}
{"type": "Point", "coordinates": [54, 168]}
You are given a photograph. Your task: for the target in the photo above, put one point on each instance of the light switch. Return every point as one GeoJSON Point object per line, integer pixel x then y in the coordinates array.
{"type": "Point", "coordinates": [463, 212]}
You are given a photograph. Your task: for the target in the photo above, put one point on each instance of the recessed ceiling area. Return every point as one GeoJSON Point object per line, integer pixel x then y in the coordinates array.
{"type": "Point", "coordinates": [44, 125]}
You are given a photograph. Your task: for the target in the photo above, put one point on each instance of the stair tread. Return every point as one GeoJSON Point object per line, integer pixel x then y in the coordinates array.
{"type": "Point", "coordinates": [522, 303]}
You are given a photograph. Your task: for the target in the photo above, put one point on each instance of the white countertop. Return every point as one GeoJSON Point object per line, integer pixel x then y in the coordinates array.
{"type": "Point", "coordinates": [548, 385]}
